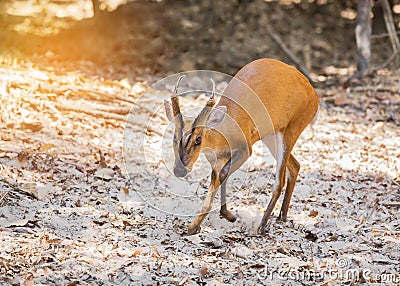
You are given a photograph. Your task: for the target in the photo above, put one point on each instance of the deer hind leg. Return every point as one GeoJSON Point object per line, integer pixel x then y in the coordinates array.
{"type": "Point", "coordinates": [293, 167]}
{"type": "Point", "coordinates": [281, 152]}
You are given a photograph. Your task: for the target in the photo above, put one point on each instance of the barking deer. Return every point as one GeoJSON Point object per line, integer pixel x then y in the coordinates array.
{"type": "Point", "coordinates": [266, 100]}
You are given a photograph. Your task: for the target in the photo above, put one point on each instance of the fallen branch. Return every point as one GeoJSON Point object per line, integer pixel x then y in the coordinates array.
{"type": "Point", "coordinates": [96, 113]}
{"type": "Point", "coordinates": [391, 204]}
{"type": "Point", "coordinates": [102, 96]}
{"type": "Point", "coordinates": [383, 35]}
{"type": "Point", "coordinates": [106, 115]}
{"type": "Point", "coordinates": [94, 94]}
{"type": "Point", "coordinates": [115, 110]}
{"type": "Point", "coordinates": [380, 88]}
{"type": "Point", "coordinates": [147, 128]}
{"type": "Point", "coordinates": [15, 187]}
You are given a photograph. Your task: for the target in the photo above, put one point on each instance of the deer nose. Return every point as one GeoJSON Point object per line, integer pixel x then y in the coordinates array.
{"type": "Point", "coordinates": [180, 171]}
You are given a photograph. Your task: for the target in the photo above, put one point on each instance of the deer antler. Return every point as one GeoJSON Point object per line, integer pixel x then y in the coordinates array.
{"type": "Point", "coordinates": [201, 118]}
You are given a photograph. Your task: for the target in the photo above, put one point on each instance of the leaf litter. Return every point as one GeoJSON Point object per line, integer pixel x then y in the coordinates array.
{"type": "Point", "coordinates": [70, 215]}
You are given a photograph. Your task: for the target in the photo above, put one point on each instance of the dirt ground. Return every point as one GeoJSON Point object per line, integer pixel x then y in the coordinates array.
{"type": "Point", "coordinates": [72, 209]}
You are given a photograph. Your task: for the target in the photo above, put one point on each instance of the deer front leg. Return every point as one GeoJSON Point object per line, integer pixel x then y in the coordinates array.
{"type": "Point", "coordinates": [224, 212]}
{"type": "Point", "coordinates": [194, 226]}
{"type": "Point", "coordinates": [237, 160]}
{"type": "Point", "coordinates": [238, 157]}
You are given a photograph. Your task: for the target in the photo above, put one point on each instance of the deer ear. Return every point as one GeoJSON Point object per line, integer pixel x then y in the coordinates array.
{"type": "Point", "coordinates": [168, 110]}
{"type": "Point", "coordinates": [216, 117]}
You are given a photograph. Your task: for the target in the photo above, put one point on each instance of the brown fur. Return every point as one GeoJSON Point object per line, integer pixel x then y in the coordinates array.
{"type": "Point", "coordinates": [265, 97]}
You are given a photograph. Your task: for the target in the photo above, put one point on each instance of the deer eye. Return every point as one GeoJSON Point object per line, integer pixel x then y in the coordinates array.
{"type": "Point", "coordinates": [198, 140]}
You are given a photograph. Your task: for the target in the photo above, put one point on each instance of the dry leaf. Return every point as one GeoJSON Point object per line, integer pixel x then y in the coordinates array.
{"type": "Point", "coordinates": [136, 253]}
{"type": "Point", "coordinates": [105, 174]}
{"type": "Point", "coordinates": [183, 281]}
{"type": "Point", "coordinates": [125, 83]}
{"type": "Point", "coordinates": [203, 272]}
{"type": "Point", "coordinates": [5, 137]}
{"type": "Point", "coordinates": [155, 253]}
{"type": "Point", "coordinates": [340, 98]}
{"type": "Point", "coordinates": [22, 158]}
{"type": "Point", "coordinates": [33, 126]}
{"type": "Point", "coordinates": [125, 190]}
{"type": "Point", "coordinates": [47, 146]}
{"type": "Point", "coordinates": [29, 282]}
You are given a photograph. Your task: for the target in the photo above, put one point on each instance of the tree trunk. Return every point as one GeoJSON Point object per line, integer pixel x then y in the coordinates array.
{"type": "Point", "coordinates": [363, 35]}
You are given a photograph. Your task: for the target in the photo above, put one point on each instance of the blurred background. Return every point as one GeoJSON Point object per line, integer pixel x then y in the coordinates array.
{"type": "Point", "coordinates": [121, 38]}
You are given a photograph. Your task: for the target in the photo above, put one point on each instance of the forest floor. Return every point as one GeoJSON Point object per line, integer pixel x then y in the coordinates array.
{"type": "Point", "coordinates": [79, 206]}
{"type": "Point", "coordinates": [72, 214]}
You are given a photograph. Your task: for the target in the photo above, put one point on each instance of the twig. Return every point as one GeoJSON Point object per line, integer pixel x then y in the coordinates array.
{"type": "Point", "coordinates": [17, 188]}
{"type": "Point", "coordinates": [102, 162]}
{"type": "Point", "coordinates": [391, 204]}
{"type": "Point", "coordinates": [379, 88]}
{"type": "Point", "coordinates": [383, 35]}
{"type": "Point", "coordinates": [388, 60]}
{"type": "Point", "coordinates": [3, 197]}
{"type": "Point", "coordinates": [143, 127]}
{"type": "Point", "coordinates": [113, 109]}
{"type": "Point", "coordinates": [288, 53]}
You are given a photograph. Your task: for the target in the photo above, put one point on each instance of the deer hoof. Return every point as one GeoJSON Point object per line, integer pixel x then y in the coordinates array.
{"type": "Point", "coordinates": [261, 230]}
{"type": "Point", "coordinates": [228, 215]}
{"type": "Point", "coordinates": [282, 217]}
{"type": "Point", "coordinates": [193, 229]}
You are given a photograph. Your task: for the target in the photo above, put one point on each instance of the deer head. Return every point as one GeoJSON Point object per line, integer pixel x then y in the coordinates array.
{"type": "Point", "coordinates": [188, 135]}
